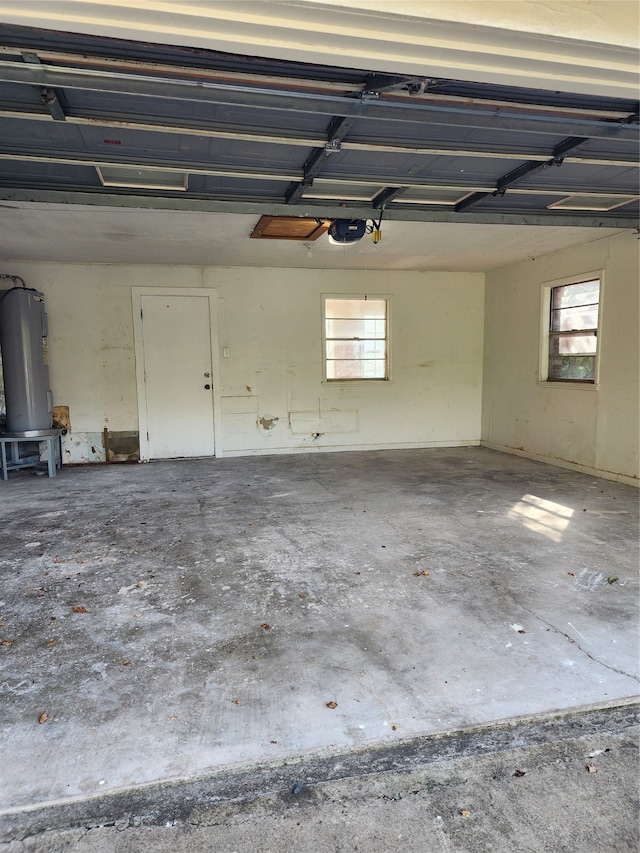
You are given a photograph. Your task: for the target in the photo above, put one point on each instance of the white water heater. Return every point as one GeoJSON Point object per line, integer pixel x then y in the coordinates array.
{"type": "Point", "coordinates": [25, 359]}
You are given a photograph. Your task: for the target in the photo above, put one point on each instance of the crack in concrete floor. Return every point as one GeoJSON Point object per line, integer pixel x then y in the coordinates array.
{"type": "Point", "coordinates": [207, 555]}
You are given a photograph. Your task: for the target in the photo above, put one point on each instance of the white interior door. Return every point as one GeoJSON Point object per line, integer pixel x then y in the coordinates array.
{"type": "Point", "coordinates": [178, 385]}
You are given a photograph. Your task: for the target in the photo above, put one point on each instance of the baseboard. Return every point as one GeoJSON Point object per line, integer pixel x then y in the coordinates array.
{"type": "Point", "coordinates": [563, 463]}
{"type": "Point", "coordinates": [271, 451]}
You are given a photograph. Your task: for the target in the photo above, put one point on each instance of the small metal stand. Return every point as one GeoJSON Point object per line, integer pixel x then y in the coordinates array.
{"type": "Point", "coordinates": [10, 450]}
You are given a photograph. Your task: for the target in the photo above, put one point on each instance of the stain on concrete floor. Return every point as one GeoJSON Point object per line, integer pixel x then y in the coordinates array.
{"type": "Point", "coordinates": [133, 600]}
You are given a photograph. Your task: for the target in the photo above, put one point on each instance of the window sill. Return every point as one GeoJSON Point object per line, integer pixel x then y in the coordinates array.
{"type": "Point", "coordinates": [573, 386]}
{"type": "Point", "coordinates": [358, 382]}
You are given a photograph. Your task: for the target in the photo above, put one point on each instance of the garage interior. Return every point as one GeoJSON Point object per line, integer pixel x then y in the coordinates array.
{"type": "Point", "coordinates": [328, 565]}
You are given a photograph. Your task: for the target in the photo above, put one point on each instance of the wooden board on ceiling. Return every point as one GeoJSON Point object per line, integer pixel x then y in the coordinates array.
{"type": "Point", "coordinates": [289, 228]}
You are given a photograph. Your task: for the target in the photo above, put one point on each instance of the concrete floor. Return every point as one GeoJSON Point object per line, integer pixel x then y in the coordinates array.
{"type": "Point", "coordinates": [538, 798]}
{"type": "Point", "coordinates": [178, 618]}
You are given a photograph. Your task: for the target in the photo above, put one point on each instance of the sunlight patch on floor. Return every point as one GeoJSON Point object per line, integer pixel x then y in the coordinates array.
{"type": "Point", "coordinates": [542, 516]}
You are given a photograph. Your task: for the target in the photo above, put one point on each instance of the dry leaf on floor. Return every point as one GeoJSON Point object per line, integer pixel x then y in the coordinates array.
{"type": "Point", "coordinates": [591, 768]}
{"type": "Point", "coordinates": [43, 717]}
{"type": "Point", "coordinates": [266, 626]}
{"type": "Point", "coordinates": [332, 705]}
{"type": "Point", "coordinates": [465, 812]}
{"type": "Point", "coordinates": [423, 572]}
{"type": "Point", "coordinates": [7, 642]}
{"type": "Point", "coordinates": [612, 579]}
{"type": "Point", "coordinates": [52, 643]}
{"type": "Point", "coordinates": [126, 662]}
{"type": "Point", "coordinates": [80, 610]}
{"type": "Point", "coordinates": [300, 595]}
{"type": "Point", "coordinates": [519, 773]}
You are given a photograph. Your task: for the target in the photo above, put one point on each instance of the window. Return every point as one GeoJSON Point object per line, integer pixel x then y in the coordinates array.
{"type": "Point", "coordinates": [356, 338]}
{"type": "Point", "coordinates": [573, 331]}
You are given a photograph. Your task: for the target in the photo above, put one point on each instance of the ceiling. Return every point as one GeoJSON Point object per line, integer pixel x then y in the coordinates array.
{"type": "Point", "coordinates": [146, 153]}
{"type": "Point", "coordinates": [83, 234]}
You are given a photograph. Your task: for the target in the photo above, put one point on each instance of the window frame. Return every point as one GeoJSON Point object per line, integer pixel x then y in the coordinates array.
{"type": "Point", "coordinates": [358, 297]}
{"type": "Point", "coordinates": [545, 329]}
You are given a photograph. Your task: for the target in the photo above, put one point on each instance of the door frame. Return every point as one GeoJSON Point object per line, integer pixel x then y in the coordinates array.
{"type": "Point", "coordinates": [138, 339]}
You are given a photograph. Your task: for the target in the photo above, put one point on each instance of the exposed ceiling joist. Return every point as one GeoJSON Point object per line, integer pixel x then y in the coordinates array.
{"type": "Point", "coordinates": [77, 159]}
{"type": "Point", "coordinates": [385, 196]}
{"type": "Point", "coordinates": [436, 90]}
{"type": "Point", "coordinates": [205, 131]}
{"type": "Point", "coordinates": [336, 132]}
{"type": "Point", "coordinates": [393, 83]}
{"type": "Point", "coordinates": [294, 101]}
{"type": "Point", "coordinates": [90, 119]}
{"type": "Point", "coordinates": [51, 102]}
{"type": "Point", "coordinates": [309, 209]}
{"type": "Point", "coordinates": [524, 171]}
{"type": "Point", "coordinates": [48, 95]}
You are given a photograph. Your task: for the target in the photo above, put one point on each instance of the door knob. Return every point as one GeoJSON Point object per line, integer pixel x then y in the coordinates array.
{"type": "Point", "coordinates": [207, 387]}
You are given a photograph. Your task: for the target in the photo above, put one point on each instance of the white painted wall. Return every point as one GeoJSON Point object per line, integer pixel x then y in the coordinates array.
{"type": "Point", "coordinates": [592, 428]}
{"type": "Point", "coordinates": [270, 321]}
{"type": "Point", "coordinates": [272, 327]}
